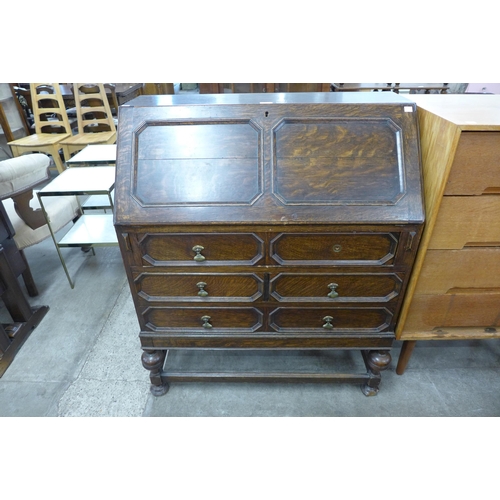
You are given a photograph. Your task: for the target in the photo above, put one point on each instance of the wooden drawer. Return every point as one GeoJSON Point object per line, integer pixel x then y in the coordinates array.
{"type": "Point", "coordinates": [206, 249]}
{"type": "Point", "coordinates": [334, 248]}
{"type": "Point", "coordinates": [203, 319]}
{"type": "Point", "coordinates": [456, 271]}
{"type": "Point", "coordinates": [206, 287]}
{"type": "Point", "coordinates": [475, 169]}
{"type": "Point", "coordinates": [338, 287]}
{"type": "Point", "coordinates": [454, 310]}
{"type": "Point", "coordinates": [467, 221]}
{"type": "Point", "coordinates": [327, 320]}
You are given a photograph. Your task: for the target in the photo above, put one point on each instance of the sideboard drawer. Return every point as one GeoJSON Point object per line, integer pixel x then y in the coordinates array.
{"type": "Point", "coordinates": [467, 221]}
{"type": "Point", "coordinates": [446, 271]}
{"type": "Point", "coordinates": [168, 287]}
{"type": "Point", "coordinates": [475, 169]}
{"type": "Point", "coordinates": [336, 287]}
{"type": "Point", "coordinates": [454, 310]}
{"type": "Point", "coordinates": [326, 320]}
{"type": "Point", "coordinates": [334, 248]}
{"type": "Point", "coordinates": [161, 249]}
{"type": "Point", "coordinates": [203, 319]}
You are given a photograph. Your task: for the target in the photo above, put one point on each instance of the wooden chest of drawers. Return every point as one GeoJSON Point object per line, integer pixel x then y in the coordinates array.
{"type": "Point", "coordinates": [284, 221]}
{"type": "Point", "coordinates": [454, 292]}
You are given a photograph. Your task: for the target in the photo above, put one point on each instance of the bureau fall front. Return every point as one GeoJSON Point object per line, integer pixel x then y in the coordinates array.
{"type": "Point", "coordinates": [268, 222]}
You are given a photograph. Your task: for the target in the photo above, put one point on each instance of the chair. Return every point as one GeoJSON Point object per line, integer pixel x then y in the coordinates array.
{"type": "Point", "coordinates": [95, 121]}
{"type": "Point", "coordinates": [23, 96]}
{"type": "Point", "coordinates": [18, 177]}
{"type": "Point", "coordinates": [51, 124]}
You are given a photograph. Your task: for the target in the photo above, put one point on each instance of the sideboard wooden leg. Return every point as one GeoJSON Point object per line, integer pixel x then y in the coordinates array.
{"type": "Point", "coordinates": [405, 355]}
{"type": "Point", "coordinates": [376, 361]}
{"type": "Point", "coordinates": [153, 361]}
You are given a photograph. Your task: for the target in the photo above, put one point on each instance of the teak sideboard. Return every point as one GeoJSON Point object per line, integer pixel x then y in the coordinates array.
{"type": "Point", "coordinates": [454, 292]}
{"type": "Point", "coordinates": [268, 222]}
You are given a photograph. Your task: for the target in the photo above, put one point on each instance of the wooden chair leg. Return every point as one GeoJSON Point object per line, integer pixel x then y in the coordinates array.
{"type": "Point", "coordinates": [57, 159]}
{"type": "Point", "coordinates": [405, 355]}
{"type": "Point", "coordinates": [66, 152]}
{"type": "Point", "coordinates": [14, 150]}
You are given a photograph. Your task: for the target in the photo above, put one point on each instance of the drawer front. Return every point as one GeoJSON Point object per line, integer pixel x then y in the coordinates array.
{"type": "Point", "coordinates": [203, 249]}
{"type": "Point", "coordinates": [336, 287]}
{"type": "Point", "coordinates": [467, 221]}
{"type": "Point", "coordinates": [459, 271]}
{"type": "Point", "coordinates": [206, 287]}
{"type": "Point", "coordinates": [475, 169]}
{"type": "Point", "coordinates": [328, 320]}
{"type": "Point", "coordinates": [334, 248]}
{"type": "Point", "coordinates": [453, 310]}
{"type": "Point", "coordinates": [203, 319]}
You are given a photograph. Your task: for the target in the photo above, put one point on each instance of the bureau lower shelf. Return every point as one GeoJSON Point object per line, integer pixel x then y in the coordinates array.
{"type": "Point", "coordinates": [158, 362]}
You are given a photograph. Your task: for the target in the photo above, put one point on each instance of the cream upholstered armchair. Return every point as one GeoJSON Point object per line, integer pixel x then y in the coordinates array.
{"type": "Point", "coordinates": [18, 177]}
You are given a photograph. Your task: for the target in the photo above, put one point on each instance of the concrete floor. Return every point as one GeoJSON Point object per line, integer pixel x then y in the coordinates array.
{"type": "Point", "coordinates": [84, 360]}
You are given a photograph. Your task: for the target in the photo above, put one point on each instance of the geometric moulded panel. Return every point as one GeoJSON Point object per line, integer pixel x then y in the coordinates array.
{"type": "Point", "coordinates": [197, 164]}
{"type": "Point", "coordinates": [332, 161]}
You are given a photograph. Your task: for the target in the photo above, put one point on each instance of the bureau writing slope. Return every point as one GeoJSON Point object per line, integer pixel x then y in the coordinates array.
{"type": "Point", "coordinates": [258, 221]}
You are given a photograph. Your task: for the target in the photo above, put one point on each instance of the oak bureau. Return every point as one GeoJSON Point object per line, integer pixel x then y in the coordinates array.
{"type": "Point", "coordinates": [268, 222]}
{"type": "Point", "coordinates": [454, 293]}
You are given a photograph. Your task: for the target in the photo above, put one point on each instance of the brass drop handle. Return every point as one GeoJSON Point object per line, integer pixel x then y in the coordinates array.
{"type": "Point", "coordinates": [333, 293]}
{"type": "Point", "coordinates": [206, 323]}
{"type": "Point", "coordinates": [202, 292]}
{"type": "Point", "coordinates": [198, 249]}
{"type": "Point", "coordinates": [328, 322]}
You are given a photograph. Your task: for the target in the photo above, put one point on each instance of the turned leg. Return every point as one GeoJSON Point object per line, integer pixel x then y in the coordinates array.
{"type": "Point", "coordinates": [375, 361]}
{"type": "Point", "coordinates": [405, 355]}
{"type": "Point", "coordinates": [153, 361]}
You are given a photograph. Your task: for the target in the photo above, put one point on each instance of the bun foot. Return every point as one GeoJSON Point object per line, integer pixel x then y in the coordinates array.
{"type": "Point", "coordinates": [369, 391]}
{"type": "Point", "coordinates": [159, 390]}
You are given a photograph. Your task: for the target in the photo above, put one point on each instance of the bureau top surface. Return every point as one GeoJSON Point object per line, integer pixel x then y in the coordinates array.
{"type": "Point", "coordinates": [300, 158]}
{"type": "Point", "coordinates": [468, 111]}
{"type": "Point", "coordinates": [265, 98]}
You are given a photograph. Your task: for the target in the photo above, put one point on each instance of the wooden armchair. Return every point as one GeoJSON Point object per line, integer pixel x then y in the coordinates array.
{"type": "Point", "coordinates": [95, 120]}
{"type": "Point", "coordinates": [51, 124]}
{"type": "Point", "coordinates": [18, 177]}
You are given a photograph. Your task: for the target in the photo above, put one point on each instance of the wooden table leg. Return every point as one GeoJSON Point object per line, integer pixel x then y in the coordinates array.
{"type": "Point", "coordinates": [405, 355]}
